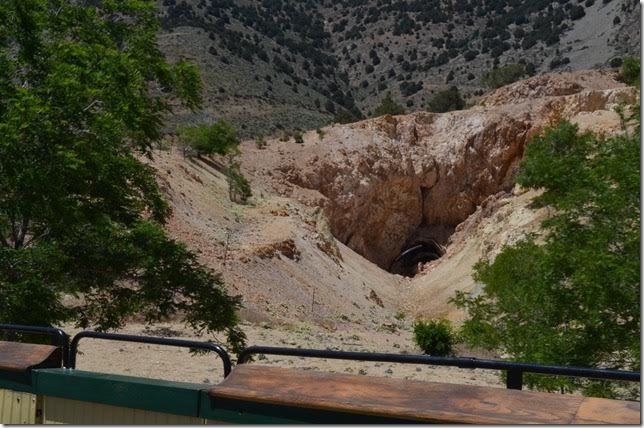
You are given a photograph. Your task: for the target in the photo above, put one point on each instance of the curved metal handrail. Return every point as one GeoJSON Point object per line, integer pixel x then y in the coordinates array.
{"type": "Point", "coordinates": [207, 346]}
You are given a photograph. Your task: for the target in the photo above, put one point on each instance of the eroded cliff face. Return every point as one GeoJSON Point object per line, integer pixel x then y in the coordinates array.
{"type": "Point", "coordinates": [420, 176]}
{"type": "Point", "coordinates": [391, 182]}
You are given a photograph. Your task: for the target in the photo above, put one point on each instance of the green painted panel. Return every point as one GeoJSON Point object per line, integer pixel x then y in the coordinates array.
{"type": "Point", "coordinates": [17, 381]}
{"type": "Point", "coordinates": [179, 398]}
{"type": "Point", "coordinates": [248, 412]}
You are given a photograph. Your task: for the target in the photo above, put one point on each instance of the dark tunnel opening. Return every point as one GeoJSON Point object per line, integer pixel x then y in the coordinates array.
{"type": "Point", "coordinates": [414, 256]}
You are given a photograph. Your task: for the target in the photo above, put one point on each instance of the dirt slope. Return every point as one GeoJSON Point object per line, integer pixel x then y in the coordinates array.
{"type": "Point", "coordinates": [276, 252]}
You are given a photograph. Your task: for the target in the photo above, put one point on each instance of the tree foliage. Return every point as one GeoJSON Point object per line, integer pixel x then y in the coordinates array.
{"type": "Point", "coordinates": [503, 75]}
{"type": "Point", "coordinates": [389, 106]}
{"type": "Point", "coordinates": [570, 296]}
{"type": "Point", "coordinates": [447, 100]}
{"type": "Point", "coordinates": [83, 90]}
{"type": "Point", "coordinates": [345, 116]}
{"type": "Point", "coordinates": [630, 71]}
{"type": "Point", "coordinates": [238, 186]}
{"type": "Point", "coordinates": [219, 138]}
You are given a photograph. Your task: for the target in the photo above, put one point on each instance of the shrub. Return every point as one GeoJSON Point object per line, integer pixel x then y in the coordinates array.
{"type": "Point", "coordinates": [503, 75]}
{"type": "Point", "coordinates": [630, 72]}
{"type": "Point", "coordinates": [410, 88]}
{"type": "Point", "coordinates": [558, 61]}
{"type": "Point", "coordinates": [577, 12]}
{"type": "Point", "coordinates": [218, 138]}
{"type": "Point", "coordinates": [299, 138]}
{"type": "Point", "coordinates": [238, 186]}
{"type": "Point", "coordinates": [345, 116]}
{"type": "Point", "coordinates": [435, 337]}
{"type": "Point", "coordinates": [260, 142]}
{"type": "Point", "coordinates": [447, 100]}
{"type": "Point", "coordinates": [616, 62]}
{"type": "Point", "coordinates": [329, 106]}
{"type": "Point", "coordinates": [470, 55]}
{"type": "Point", "coordinates": [389, 106]}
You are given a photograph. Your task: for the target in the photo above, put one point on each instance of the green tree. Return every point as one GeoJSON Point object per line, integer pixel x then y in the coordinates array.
{"type": "Point", "coordinates": [238, 186]}
{"type": "Point", "coordinates": [83, 91]}
{"type": "Point", "coordinates": [570, 296]}
{"type": "Point", "coordinates": [219, 138]}
{"type": "Point", "coordinates": [502, 76]}
{"type": "Point", "coordinates": [447, 100]}
{"type": "Point", "coordinates": [389, 106]}
{"type": "Point", "coordinates": [630, 71]}
{"type": "Point", "coordinates": [345, 116]}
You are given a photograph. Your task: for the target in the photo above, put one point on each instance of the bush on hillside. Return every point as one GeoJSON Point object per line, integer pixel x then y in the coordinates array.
{"type": "Point", "coordinates": [238, 186]}
{"type": "Point", "coordinates": [218, 138]}
{"type": "Point", "coordinates": [435, 337]}
{"type": "Point", "coordinates": [389, 106]}
{"type": "Point", "coordinates": [630, 71]}
{"type": "Point", "coordinates": [503, 75]}
{"type": "Point", "coordinates": [447, 100]}
{"type": "Point", "coordinates": [345, 116]}
{"type": "Point", "coordinates": [298, 137]}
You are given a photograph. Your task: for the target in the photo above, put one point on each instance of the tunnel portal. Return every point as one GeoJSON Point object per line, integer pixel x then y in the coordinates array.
{"type": "Point", "coordinates": [413, 256]}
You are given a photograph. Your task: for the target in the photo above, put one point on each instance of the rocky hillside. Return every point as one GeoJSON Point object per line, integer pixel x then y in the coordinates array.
{"type": "Point", "coordinates": [280, 65]}
{"type": "Point", "coordinates": [330, 217]}
{"type": "Point", "coordinates": [304, 252]}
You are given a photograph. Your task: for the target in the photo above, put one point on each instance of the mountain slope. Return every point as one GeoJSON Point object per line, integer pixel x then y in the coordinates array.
{"type": "Point", "coordinates": [282, 65]}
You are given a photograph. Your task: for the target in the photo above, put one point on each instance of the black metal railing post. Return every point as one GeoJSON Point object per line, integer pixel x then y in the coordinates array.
{"type": "Point", "coordinates": [514, 379]}
{"type": "Point", "coordinates": [151, 340]}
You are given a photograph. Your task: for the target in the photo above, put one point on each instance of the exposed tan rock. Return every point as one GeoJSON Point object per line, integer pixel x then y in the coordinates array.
{"type": "Point", "coordinates": [389, 181]}
{"type": "Point", "coordinates": [552, 85]}
{"type": "Point", "coordinates": [287, 248]}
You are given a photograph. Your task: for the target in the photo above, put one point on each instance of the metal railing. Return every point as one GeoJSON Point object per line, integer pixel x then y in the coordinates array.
{"type": "Point", "coordinates": [514, 370]}
{"type": "Point", "coordinates": [192, 344]}
{"type": "Point", "coordinates": [60, 337]}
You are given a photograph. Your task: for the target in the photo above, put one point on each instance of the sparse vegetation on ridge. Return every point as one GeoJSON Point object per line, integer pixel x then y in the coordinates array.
{"type": "Point", "coordinates": [310, 60]}
{"type": "Point", "coordinates": [447, 100]}
{"type": "Point", "coordinates": [389, 106]}
{"type": "Point", "coordinates": [503, 75]}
